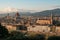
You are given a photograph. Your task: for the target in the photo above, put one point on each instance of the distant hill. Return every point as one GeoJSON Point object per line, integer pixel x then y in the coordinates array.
{"type": "Point", "coordinates": [55, 12]}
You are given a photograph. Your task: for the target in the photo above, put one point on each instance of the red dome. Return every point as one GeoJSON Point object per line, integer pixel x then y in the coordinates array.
{"type": "Point", "coordinates": [17, 14]}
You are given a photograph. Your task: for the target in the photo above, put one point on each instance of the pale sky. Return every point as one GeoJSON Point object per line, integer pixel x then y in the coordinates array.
{"type": "Point", "coordinates": [37, 5]}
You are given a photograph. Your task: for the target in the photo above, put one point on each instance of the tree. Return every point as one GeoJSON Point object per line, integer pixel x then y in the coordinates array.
{"type": "Point", "coordinates": [56, 22]}
{"type": "Point", "coordinates": [3, 31]}
{"type": "Point", "coordinates": [16, 35]}
{"type": "Point", "coordinates": [54, 38]}
{"type": "Point", "coordinates": [35, 36]}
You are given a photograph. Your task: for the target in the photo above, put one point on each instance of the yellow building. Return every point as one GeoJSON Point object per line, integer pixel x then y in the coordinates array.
{"type": "Point", "coordinates": [38, 28]}
{"type": "Point", "coordinates": [43, 21]}
{"type": "Point", "coordinates": [11, 27]}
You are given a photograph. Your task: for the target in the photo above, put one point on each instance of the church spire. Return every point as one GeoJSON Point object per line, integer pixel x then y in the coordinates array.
{"type": "Point", "coordinates": [51, 18]}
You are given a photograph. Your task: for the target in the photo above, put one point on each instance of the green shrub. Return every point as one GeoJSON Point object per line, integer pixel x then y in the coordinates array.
{"type": "Point", "coordinates": [54, 38]}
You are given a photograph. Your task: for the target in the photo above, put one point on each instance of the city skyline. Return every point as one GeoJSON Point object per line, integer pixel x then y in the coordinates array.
{"type": "Point", "coordinates": [38, 5]}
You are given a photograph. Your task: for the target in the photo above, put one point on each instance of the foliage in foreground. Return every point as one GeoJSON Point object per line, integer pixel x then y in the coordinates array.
{"type": "Point", "coordinates": [3, 32]}
{"type": "Point", "coordinates": [54, 38]}
{"type": "Point", "coordinates": [21, 36]}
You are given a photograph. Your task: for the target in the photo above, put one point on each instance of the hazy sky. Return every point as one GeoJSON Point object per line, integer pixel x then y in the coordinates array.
{"type": "Point", "coordinates": [38, 5]}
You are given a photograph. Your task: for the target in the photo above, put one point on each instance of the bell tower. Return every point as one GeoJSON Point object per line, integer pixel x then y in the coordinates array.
{"type": "Point", "coordinates": [8, 17]}
{"type": "Point", "coordinates": [53, 27]}
{"type": "Point", "coordinates": [51, 19]}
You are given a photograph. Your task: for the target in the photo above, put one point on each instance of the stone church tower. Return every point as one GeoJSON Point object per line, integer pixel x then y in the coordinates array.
{"type": "Point", "coordinates": [52, 28]}
{"type": "Point", "coordinates": [51, 19]}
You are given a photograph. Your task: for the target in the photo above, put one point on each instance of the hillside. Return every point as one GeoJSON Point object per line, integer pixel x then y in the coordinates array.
{"type": "Point", "coordinates": [55, 12]}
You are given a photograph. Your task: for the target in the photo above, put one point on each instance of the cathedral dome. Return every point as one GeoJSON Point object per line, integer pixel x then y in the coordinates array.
{"type": "Point", "coordinates": [17, 14]}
